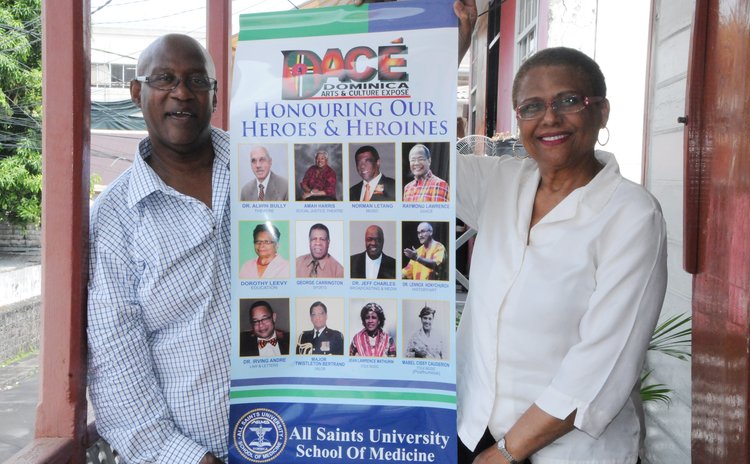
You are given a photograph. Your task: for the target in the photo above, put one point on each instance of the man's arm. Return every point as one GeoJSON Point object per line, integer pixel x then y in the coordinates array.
{"type": "Point", "coordinates": [131, 411]}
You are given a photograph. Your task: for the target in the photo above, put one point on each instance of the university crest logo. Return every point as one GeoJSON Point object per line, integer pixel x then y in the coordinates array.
{"type": "Point", "coordinates": [260, 435]}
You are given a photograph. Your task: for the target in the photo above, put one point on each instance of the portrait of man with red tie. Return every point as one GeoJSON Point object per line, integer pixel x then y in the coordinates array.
{"type": "Point", "coordinates": [264, 339]}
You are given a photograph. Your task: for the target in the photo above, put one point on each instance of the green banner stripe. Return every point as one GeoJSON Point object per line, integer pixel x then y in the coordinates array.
{"type": "Point", "coordinates": [347, 394]}
{"type": "Point", "coordinates": [347, 19]}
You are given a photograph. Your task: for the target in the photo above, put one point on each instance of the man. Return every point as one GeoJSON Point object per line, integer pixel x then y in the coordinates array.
{"type": "Point", "coordinates": [426, 186]}
{"type": "Point", "coordinates": [321, 339]}
{"type": "Point", "coordinates": [264, 340]}
{"type": "Point", "coordinates": [373, 263]}
{"type": "Point", "coordinates": [425, 262]}
{"type": "Point", "coordinates": [267, 186]}
{"type": "Point", "coordinates": [375, 186]}
{"type": "Point", "coordinates": [319, 182]}
{"type": "Point", "coordinates": [318, 263]}
{"type": "Point", "coordinates": [159, 289]}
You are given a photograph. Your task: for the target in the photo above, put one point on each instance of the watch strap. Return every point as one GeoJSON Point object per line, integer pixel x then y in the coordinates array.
{"type": "Point", "coordinates": [504, 451]}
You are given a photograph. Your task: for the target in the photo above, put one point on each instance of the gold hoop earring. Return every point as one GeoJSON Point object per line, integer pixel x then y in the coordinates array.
{"type": "Point", "coordinates": [606, 141]}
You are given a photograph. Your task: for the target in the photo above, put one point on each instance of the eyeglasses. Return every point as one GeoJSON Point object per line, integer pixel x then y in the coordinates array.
{"type": "Point", "coordinates": [261, 321]}
{"type": "Point", "coordinates": [264, 242]}
{"type": "Point", "coordinates": [169, 82]}
{"type": "Point", "coordinates": [565, 104]}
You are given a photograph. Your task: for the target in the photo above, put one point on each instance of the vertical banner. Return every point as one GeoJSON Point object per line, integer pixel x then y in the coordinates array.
{"type": "Point", "coordinates": [343, 129]}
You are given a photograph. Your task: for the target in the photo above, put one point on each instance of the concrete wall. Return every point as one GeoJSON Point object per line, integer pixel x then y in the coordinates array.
{"type": "Point", "coordinates": [19, 239]}
{"type": "Point", "coordinates": [19, 328]}
{"type": "Point", "coordinates": [668, 439]}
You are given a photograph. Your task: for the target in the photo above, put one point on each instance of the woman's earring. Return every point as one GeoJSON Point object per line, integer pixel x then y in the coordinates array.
{"type": "Point", "coordinates": [606, 141]}
{"type": "Point", "coordinates": [517, 154]}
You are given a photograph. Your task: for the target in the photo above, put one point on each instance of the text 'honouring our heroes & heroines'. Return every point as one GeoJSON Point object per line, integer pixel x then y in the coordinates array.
{"type": "Point", "coordinates": [369, 445]}
{"type": "Point", "coordinates": [344, 119]}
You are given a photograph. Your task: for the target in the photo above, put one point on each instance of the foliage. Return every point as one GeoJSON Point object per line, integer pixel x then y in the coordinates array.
{"type": "Point", "coordinates": [672, 337]}
{"type": "Point", "coordinates": [21, 187]}
{"type": "Point", "coordinates": [20, 111]}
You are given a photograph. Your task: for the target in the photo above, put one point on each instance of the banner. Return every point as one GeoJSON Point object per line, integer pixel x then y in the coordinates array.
{"type": "Point", "coordinates": [343, 129]}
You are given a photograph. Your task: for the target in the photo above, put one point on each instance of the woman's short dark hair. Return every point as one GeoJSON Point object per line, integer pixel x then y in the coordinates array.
{"type": "Point", "coordinates": [563, 56]}
{"type": "Point", "coordinates": [426, 311]}
{"type": "Point", "coordinates": [377, 309]}
{"type": "Point", "coordinates": [270, 228]}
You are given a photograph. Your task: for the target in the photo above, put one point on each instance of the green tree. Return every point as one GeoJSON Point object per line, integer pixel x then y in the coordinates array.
{"type": "Point", "coordinates": [20, 111]}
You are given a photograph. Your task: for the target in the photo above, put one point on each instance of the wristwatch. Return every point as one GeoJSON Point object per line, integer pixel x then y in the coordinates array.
{"type": "Point", "coordinates": [506, 454]}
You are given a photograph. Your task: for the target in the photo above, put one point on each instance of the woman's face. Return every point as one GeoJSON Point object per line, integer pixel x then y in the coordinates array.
{"type": "Point", "coordinates": [560, 141]}
{"type": "Point", "coordinates": [427, 322]}
{"type": "Point", "coordinates": [371, 321]}
{"type": "Point", "coordinates": [265, 245]}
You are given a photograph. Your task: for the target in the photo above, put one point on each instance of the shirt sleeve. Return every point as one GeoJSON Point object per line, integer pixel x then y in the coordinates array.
{"type": "Point", "coordinates": [598, 374]}
{"type": "Point", "coordinates": [470, 186]}
{"type": "Point", "coordinates": [131, 412]}
{"type": "Point", "coordinates": [439, 255]}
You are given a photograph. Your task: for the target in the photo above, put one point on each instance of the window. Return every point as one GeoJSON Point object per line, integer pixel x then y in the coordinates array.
{"type": "Point", "coordinates": [112, 74]}
{"type": "Point", "coordinates": [526, 24]}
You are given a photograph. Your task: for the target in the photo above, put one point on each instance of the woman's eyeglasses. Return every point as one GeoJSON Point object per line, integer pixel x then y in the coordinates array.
{"type": "Point", "coordinates": [565, 104]}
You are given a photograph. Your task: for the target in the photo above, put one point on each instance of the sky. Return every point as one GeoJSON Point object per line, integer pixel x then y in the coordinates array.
{"type": "Point", "coordinates": [174, 15]}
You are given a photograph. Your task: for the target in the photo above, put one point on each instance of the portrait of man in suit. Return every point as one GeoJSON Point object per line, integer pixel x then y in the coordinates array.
{"type": "Point", "coordinates": [266, 184]}
{"type": "Point", "coordinates": [375, 186]}
{"type": "Point", "coordinates": [264, 340]}
{"type": "Point", "coordinates": [373, 263]}
{"type": "Point", "coordinates": [321, 339]}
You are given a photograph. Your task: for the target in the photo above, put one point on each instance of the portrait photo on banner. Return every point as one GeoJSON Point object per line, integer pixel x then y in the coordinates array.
{"type": "Point", "coordinates": [264, 250]}
{"type": "Point", "coordinates": [373, 250]}
{"type": "Point", "coordinates": [263, 171]}
{"type": "Point", "coordinates": [373, 164]}
{"type": "Point", "coordinates": [320, 323]}
{"type": "Point", "coordinates": [264, 327]}
{"type": "Point", "coordinates": [319, 249]}
{"type": "Point", "coordinates": [427, 327]}
{"type": "Point", "coordinates": [425, 255]}
{"type": "Point", "coordinates": [425, 170]}
{"type": "Point", "coordinates": [373, 326]}
{"type": "Point", "coordinates": [318, 172]}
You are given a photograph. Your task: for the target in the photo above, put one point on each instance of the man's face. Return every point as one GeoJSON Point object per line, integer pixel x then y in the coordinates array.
{"type": "Point", "coordinates": [321, 160]}
{"type": "Point", "coordinates": [260, 163]}
{"type": "Point", "coordinates": [418, 163]}
{"type": "Point", "coordinates": [367, 166]}
{"type": "Point", "coordinates": [374, 242]}
{"type": "Point", "coordinates": [177, 120]}
{"type": "Point", "coordinates": [371, 321]}
{"type": "Point", "coordinates": [318, 317]}
{"type": "Point", "coordinates": [424, 233]}
{"type": "Point", "coordinates": [264, 323]}
{"type": "Point", "coordinates": [319, 243]}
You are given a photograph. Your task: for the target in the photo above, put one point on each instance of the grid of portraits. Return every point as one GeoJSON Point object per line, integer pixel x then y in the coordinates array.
{"type": "Point", "coordinates": [344, 172]}
{"type": "Point", "coordinates": [335, 326]}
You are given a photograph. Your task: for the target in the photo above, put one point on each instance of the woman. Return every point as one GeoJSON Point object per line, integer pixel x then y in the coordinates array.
{"type": "Point", "coordinates": [268, 264]}
{"type": "Point", "coordinates": [372, 340]}
{"type": "Point", "coordinates": [425, 343]}
{"type": "Point", "coordinates": [568, 277]}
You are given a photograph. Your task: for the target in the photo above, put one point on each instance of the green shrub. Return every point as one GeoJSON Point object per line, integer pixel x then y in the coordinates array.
{"type": "Point", "coordinates": [21, 187]}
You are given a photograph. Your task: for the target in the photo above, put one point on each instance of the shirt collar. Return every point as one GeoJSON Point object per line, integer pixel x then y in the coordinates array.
{"type": "Point", "coordinates": [145, 181]}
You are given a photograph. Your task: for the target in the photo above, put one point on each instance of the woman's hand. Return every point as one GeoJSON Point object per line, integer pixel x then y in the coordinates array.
{"type": "Point", "coordinates": [490, 456]}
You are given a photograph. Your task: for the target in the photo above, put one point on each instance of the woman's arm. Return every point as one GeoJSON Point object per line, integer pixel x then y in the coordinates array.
{"type": "Point", "coordinates": [534, 430]}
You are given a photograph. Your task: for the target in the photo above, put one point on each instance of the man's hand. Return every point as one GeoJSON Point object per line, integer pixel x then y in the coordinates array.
{"type": "Point", "coordinates": [209, 458]}
{"type": "Point", "coordinates": [466, 10]}
{"type": "Point", "coordinates": [410, 253]}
